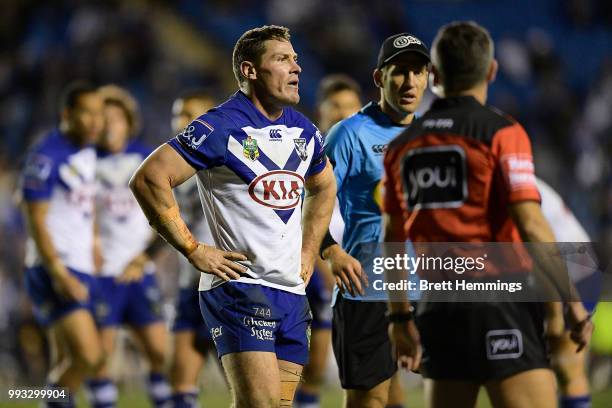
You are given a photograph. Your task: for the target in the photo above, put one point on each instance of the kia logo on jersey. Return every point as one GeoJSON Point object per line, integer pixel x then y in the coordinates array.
{"type": "Point", "coordinates": [278, 189]}
{"type": "Point", "coordinates": [435, 177]}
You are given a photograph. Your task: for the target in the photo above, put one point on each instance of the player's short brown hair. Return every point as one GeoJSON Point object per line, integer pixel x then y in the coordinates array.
{"type": "Point", "coordinates": [462, 53]}
{"type": "Point", "coordinates": [117, 96]}
{"type": "Point", "coordinates": [251, 45]}
{"type": "Point", "coordinates": [334, 83]}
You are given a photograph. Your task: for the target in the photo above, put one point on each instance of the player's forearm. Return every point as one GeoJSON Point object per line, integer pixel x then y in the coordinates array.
{"type": "Point", "coordinates": [392, 233]}
{"type": "Point", "coordinates": [153, 192]}
{"type": "Point", "coordinates": [533, 228]}
{"type": "Point", "coordinates": [36, 217]}
{"type": "Point", "coordinates": [318, 207]}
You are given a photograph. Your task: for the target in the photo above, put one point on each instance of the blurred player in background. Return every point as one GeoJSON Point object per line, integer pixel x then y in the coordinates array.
{"type": "Point", "coordinates": [338, 97]}
{"type": "Point", "coordinates": [192, 340]}
{"type": "Point", "coordinates": [254, 156]}
{"type": "Point", "coordinates": [493, 198]}
{"type": "Point", "coordinates": [355, 148]}
{"type": "Point", "coordinates": [58, 187]}
{"type": "Point", "coordinates": [128, 291]}
{"type": "Point", "coordinates": [569, 365]}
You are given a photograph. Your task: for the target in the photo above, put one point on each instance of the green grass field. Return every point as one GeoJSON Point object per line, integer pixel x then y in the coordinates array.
{"type": "Point", "coordinates": [217, 397]}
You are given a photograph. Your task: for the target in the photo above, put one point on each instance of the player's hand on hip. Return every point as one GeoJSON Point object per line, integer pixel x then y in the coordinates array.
{"type": "Point", "coordinates": [580, 323]}
{"type": "Point", "coordinates": [70, 287]}
{"type": "Point", "coordinates": [347, 271]}
{"type": "Point", "coordinates": [223, 264]}
{"type": "Point", "coordinates": [134, 270]}
{"type": "Point", "coordinates": [406, 343]}
{"type": "Point", "coordinates": [307, 266]}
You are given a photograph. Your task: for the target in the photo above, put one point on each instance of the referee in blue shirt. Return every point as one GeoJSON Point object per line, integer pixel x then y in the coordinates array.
{"type": "Point", "coordinates": [355, 147]}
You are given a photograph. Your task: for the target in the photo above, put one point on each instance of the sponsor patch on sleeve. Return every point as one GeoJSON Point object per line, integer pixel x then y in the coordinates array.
{"type": "Point", "coordinates": [37, 171]}
{"type": "Point", "coordinates": [195, 134]}
{"type": "Point", "coordinates": [519, 171]}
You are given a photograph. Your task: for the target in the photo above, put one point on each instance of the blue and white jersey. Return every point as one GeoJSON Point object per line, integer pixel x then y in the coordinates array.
{"type": "Point", "coordinates": [564, 224]}
{"type": "Point", "coordinates": [355, 147]}
{"type": "Point", "coordinates": [62, 173]}
{"type": "Point", "coordinates": [124, 229]}
{"type": "Point", "coordinates": [251, 175]}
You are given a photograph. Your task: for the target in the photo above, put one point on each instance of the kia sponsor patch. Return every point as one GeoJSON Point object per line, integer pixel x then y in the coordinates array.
{"type": "Point", "coordinates": [278, 189]}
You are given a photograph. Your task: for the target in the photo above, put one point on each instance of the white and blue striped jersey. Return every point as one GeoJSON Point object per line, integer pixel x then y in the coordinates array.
{"type": "Point", "coordinates": [124, 230]}
{"type": "Point", "coordinates": [63, 173]}
{"type": "Point", "coordinates": [251, 175]}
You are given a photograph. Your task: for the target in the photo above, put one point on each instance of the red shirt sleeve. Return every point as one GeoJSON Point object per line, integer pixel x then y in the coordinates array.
{"type": "Point", "coordinates": [391, 191]}
{"type": "Point", "coordinates": [512, 150]}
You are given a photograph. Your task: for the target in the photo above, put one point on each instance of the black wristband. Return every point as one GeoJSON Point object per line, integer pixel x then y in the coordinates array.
{"type": "Point", "coordinates": [328, 241]}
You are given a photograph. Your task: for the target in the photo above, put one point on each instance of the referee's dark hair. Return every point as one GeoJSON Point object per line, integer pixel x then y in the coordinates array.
{"type": "Point", "coordinates": [73, 91]}
{"type": "Point", "coordinates": [334, 83]}
{"type": "Point", "coordinates": [462, 53]}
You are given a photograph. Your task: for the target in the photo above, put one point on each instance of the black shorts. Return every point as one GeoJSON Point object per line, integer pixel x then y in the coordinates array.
{"type": "Point", "coordinates": [481, 341]}
{"type": "Point", "coordinates": [361, 343]}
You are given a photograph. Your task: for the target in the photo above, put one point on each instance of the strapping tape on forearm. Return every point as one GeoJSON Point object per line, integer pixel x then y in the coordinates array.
{"type": "Point", "coordinates": [328, 241]}
{"type": "Point", "coordinates": [172, 228]}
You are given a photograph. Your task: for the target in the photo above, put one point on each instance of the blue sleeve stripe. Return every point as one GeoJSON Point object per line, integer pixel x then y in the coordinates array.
{"type": "Point", "coordinates": [187, 156]}
{"type": "Point", "coordinates": [37, 195]}
{"type": "Point", "coordinates": [318, 166]}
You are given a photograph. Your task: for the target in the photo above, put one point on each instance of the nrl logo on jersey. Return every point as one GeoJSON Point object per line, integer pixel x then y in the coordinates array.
{"type": "Point", "coordinates": [300, 147]}
{"type": "Point", "coordinates": [250, 149]}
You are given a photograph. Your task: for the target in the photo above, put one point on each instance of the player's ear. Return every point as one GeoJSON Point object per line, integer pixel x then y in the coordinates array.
{"type": "Point", "coordinates": [248, 71]}
{"type": "Point", "coordinates": [65, 114]}
{"type": "Point", "coordinates": [492, 71]}
{"type": "Point", "coordinates": [434, 77]}
{"type": "Point", "coordinates": [377, 76]}
{"type": "Point", "coordinates": [435, 82]}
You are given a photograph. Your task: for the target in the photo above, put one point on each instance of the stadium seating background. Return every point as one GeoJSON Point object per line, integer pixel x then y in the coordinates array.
{"type": "Point", "coordinates": [555, 77]}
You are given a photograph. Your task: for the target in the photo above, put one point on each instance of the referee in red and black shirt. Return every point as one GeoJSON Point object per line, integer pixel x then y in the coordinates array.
{"type": "Point", "coordinates": [485, 191]}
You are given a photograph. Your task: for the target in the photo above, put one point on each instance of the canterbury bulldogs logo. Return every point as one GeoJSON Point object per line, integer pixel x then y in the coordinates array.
{"type": "Point", "coordinates": [504, 344]}
{"type": "Point", "coordinates": [405, 40]}
{"type": "Point", "coordinates": [275, 135]}
{"type": "Point", "coordinates": [300, 147]}
{"type": "Point", "coordinates": [379, 148]}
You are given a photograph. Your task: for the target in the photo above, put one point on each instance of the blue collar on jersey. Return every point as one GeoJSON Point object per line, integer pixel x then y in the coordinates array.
{"type": "Point", "coordinates": [241, 97]}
